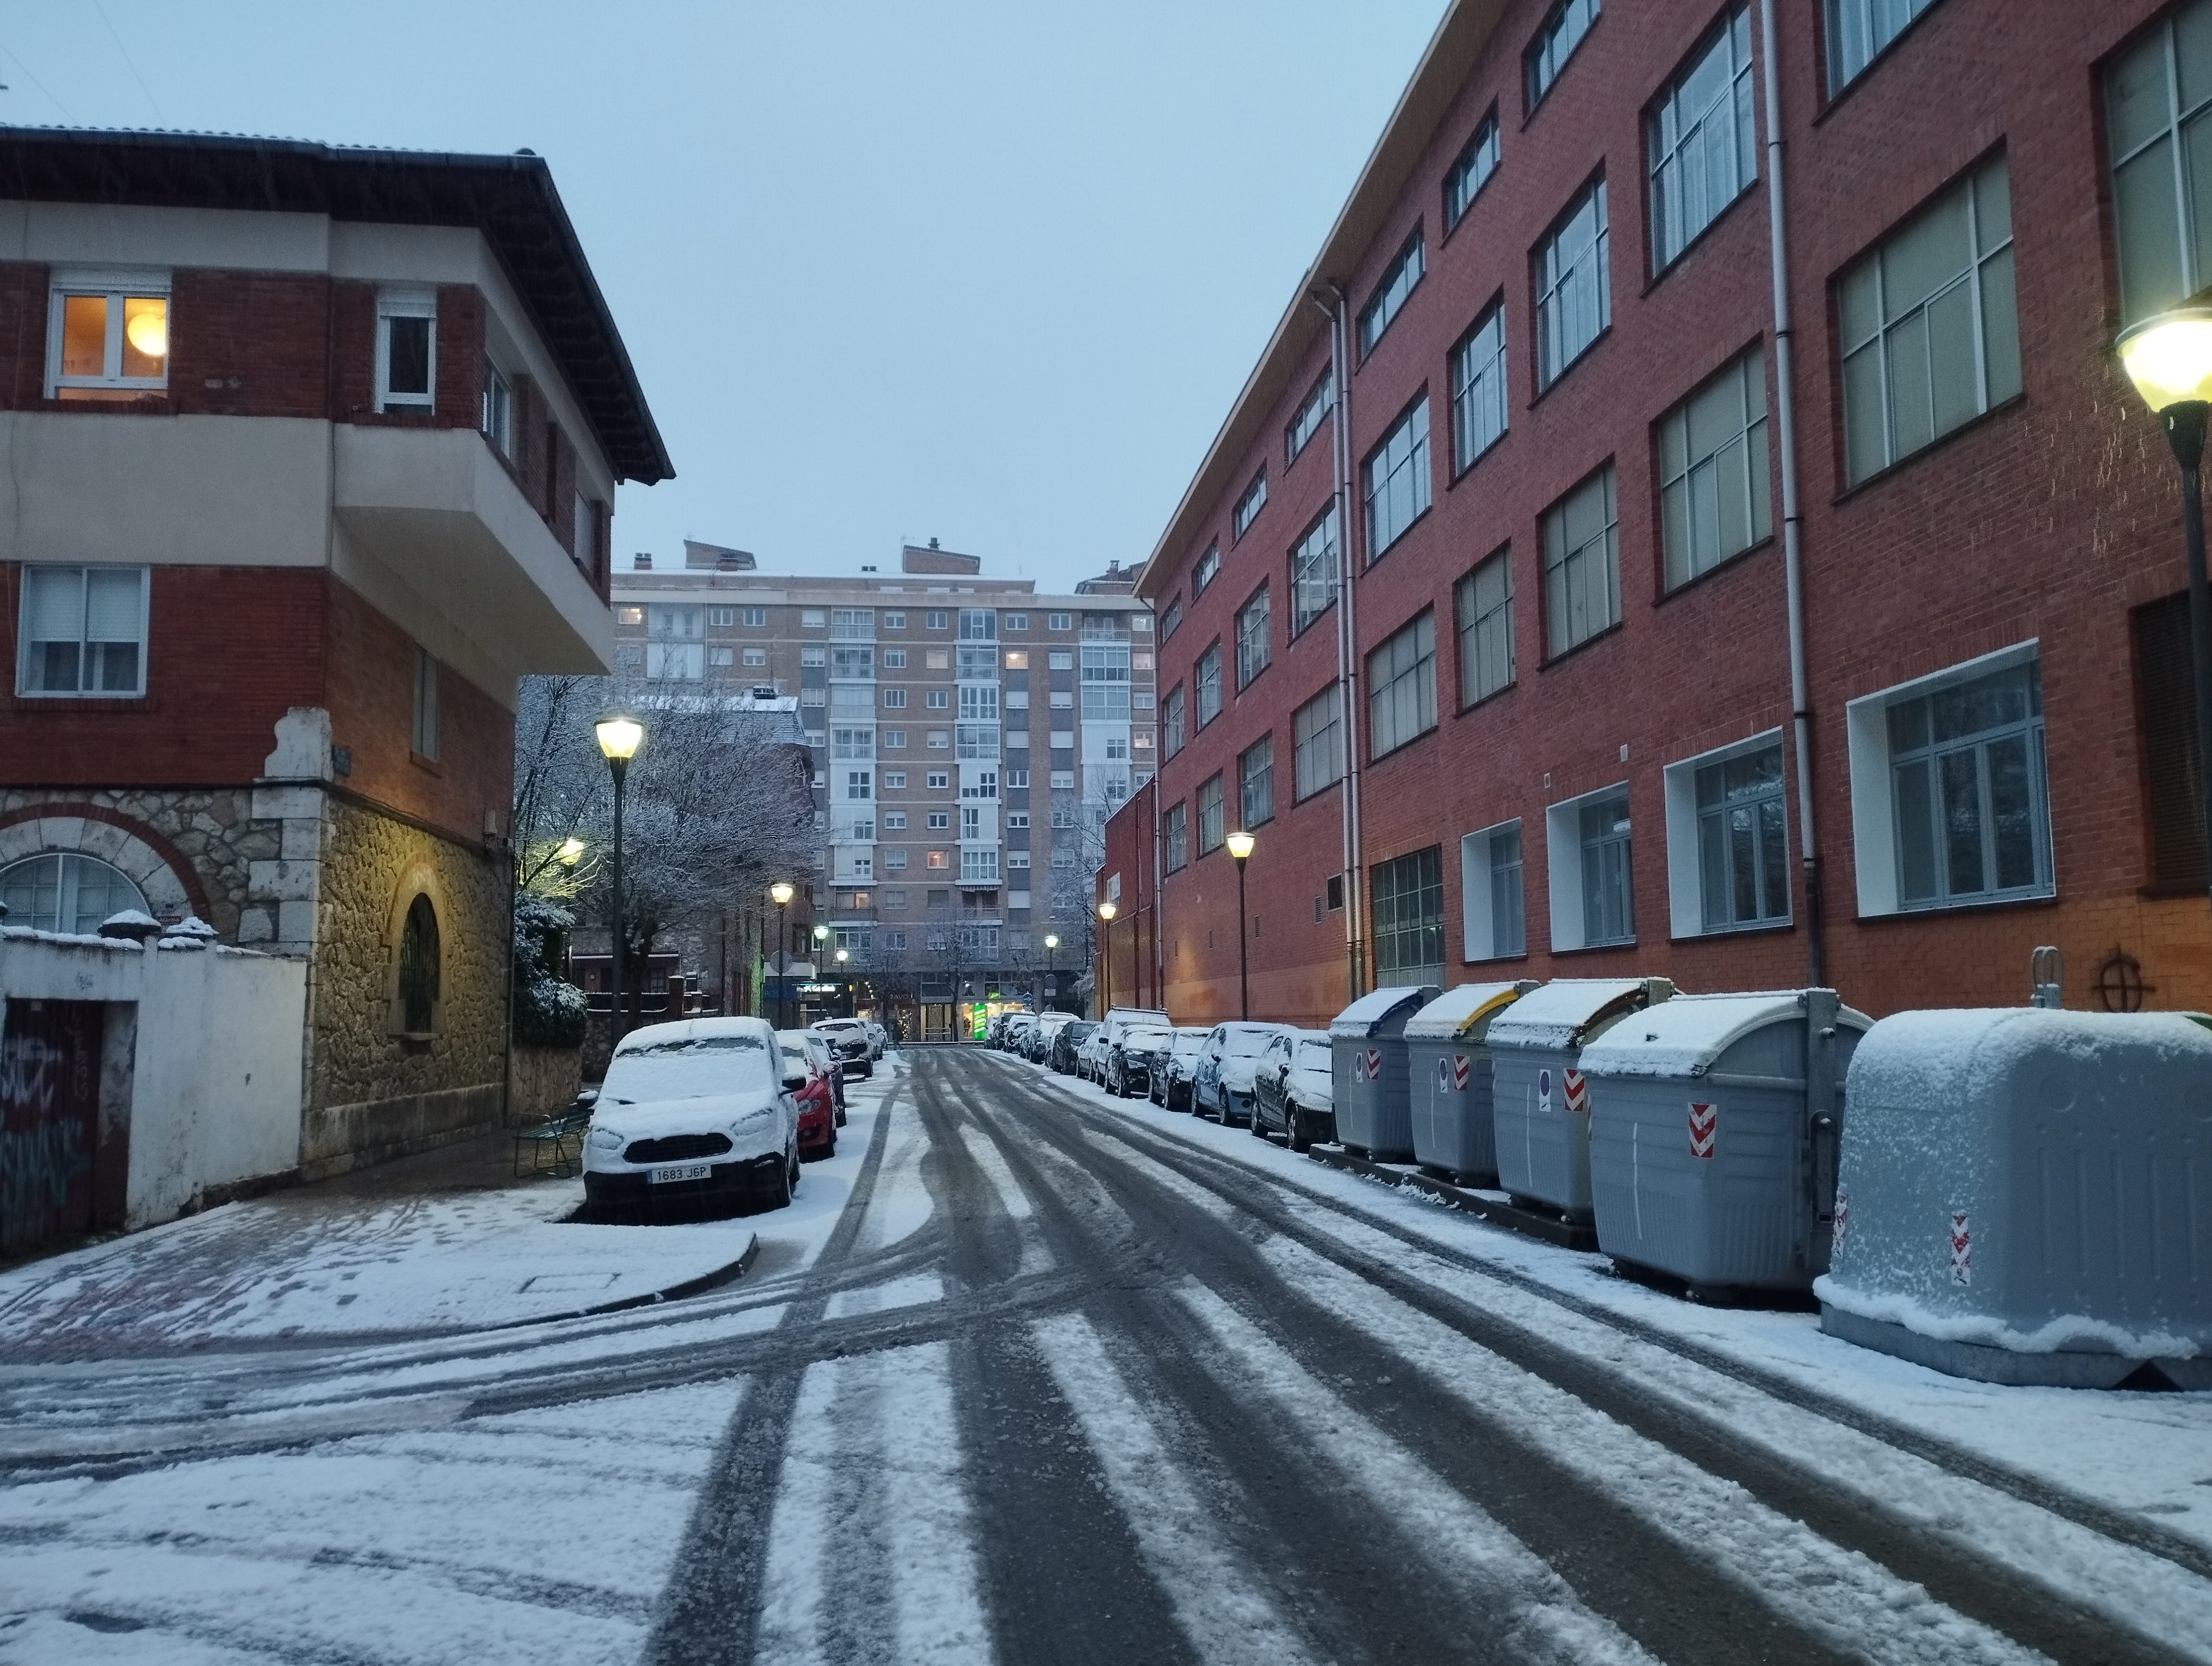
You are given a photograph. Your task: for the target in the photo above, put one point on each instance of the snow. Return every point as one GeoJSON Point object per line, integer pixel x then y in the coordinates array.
{"type": "Point", "coordinates": [2067, 1331]}
{"type": "Point", "coordinates": [1454, 1010]}
{"type": "Point", "coordinates": [1556, 1016]}
{"type": "Point", "coordinates": [1682, 1037]}
{"type": "Point", "coordinates": [1367, 1015]}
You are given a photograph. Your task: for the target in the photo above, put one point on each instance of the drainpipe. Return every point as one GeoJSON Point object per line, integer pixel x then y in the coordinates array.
{"type": "Point", "coordinates": [1793, 568]}
{"type": "Point", "coordinates": [1159, 898]}
{"type": "Point", "coordinates": [1331, 299]}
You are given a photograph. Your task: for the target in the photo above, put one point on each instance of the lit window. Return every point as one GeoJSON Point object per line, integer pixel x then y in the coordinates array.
{"type": "Point", "coordinates": [1700, 140]}
{"type": "Point", "coordinates": [1573, 307]}
{"type": "Point", "coordinates": [407, 349]}
{"type": "Point", "coordinates": [1017, 659]}
{"type": "Point", "coordinates": [83, 631]}
{"type": "Point", "coordinates": [110, 336]}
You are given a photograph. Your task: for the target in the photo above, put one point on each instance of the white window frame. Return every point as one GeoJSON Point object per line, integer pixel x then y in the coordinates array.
{"type": "Point", "coordinates": [1479, 937]}
{"type": "Point", "coordinates": [1563, 871]}
{"type": "Point", "coordinates": [1570, 565]}
{"type": "Point", "coordinates": [421, 303]}
{"type": "Point", "coordinates": [495, 405]}
{"type": "Point", "coordinates": [23, 640]}
{"type": "Point", "coordinates": [755, 618]}
{"type": "Point", "coordinates": [115, 286]}
{"type": "Point", "coordinates": [1685, 888]}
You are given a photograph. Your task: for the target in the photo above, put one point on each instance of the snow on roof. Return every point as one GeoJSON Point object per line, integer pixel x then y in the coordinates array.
{"type": "Point", "coordinates": [1560, 1013]}
{"type": "Point", "coordinates": [1455, 1011]}
{"type": "Point", "coordinates": [683, 1029]}
{"type": "Point", "coordinates": [1372, 1010]}
{"type": "Point", "coordinates": [1686, 1035]}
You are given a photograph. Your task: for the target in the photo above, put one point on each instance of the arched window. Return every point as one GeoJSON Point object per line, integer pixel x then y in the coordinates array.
{"type": "Point", "coordinates": [418, 968]}
{"type": "Point", "coordinates": [56, 891]}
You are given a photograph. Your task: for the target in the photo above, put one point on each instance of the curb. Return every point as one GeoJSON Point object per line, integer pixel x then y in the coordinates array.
{"type": "Point", "coordinates": [1568, 1234]}
{"type": "Point", "coordinates": [715, 1280]}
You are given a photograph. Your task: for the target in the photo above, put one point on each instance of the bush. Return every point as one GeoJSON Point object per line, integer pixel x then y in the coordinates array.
{"type": "Point", "coordinates": [549, 1009]}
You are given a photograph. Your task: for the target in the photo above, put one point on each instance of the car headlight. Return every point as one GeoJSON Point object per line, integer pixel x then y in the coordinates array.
{"type": "Point", "coordinates": [758, 1114]}
{"type": "Point", "coordinates": [606, 1140]}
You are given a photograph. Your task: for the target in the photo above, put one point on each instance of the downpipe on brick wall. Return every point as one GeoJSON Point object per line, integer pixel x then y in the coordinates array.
{"type": "Point", "coordinates": [1792, 571]}
{"type": "Point", "coordinates": [1333, 301]}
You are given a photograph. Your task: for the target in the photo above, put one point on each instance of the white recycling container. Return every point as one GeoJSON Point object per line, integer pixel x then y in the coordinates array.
{"type": "Point", "coordinates": [1539, 1099]}
{"type": "Point", "coordinates": [1448, 1056]}
{"type": "Point", "coordinates": [1370, 1077]}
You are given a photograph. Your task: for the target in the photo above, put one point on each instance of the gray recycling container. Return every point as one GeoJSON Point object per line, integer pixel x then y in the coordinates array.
{"type": "Point", "coordinates": [2026, 1197]}
{"type": "Point", "coordinates": [1539, 1100]}
{"type": "Point", "coordinates": [1370, 1081]}
{"type": "Point", "coordinates": [1448, 1056]}
{"type": "Point", "coordinates": [1714, 1128]}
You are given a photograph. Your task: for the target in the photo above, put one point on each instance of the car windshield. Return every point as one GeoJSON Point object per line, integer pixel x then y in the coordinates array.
{"type": "Point", "coordinates": [1189, 1047]}
{"type": "Point", "coordinates": [694, 1067]}
{"type": "Point", "coordinates": [1248, 1043]}
{"type": "Point", "coordinates": [1313, 1055]}
{"type": "Point", "coordinates": [796, 1059]}
{"type": "Point", "coordinates": [1080, 1032]}
{"type": "Point", "coordinates": [1147, 1040]}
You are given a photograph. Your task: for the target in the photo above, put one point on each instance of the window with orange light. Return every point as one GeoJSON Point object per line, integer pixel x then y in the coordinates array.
{"type": "Point", "coordinates": [109, 335]}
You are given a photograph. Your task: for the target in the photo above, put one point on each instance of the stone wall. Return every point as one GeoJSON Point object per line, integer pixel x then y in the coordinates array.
{"type": "Point", "coordinates": [212, 829]}
{"type": "Point", "coordinates": [374, 1094]}
{"type": "Point", "coordinates": [546, 1082]}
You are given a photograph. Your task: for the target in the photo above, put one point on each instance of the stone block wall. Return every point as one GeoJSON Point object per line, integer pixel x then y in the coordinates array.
{"type": "Point", "coordinates": [206, 838]}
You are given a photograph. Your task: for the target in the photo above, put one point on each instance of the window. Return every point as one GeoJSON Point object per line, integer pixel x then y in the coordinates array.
{"type": "Point", "coordinates": [1061, 658]}
{"type": "Point", "coordinates": [1317, 743]}
{"type": "Point", "coordinates": [61, 893]}
{"type": "Point", "coordinates": [1561, 31]}
{"type": "Point", "coordinates": [629, 615]}
{"type": "Point", "coordinates": [937, 659]}
{"type": "Point", "coordinates": [1171, 721]}
{"type": "Point", "coordinates": [1017, 659]}
{"type": "Point", "coordinates": [939, 778]}
{"type": "Point", "coordinates": [1206, 679]}
{"type": "Point", "coordinates": [1592, 903]}
{"type": "Point", "coordinates": [1313, 572]}
{"type": "Point", "coordinates": [1700, 140]}
{"type": "Point", "coordinates": [1390, 293]}
{"type": "Point", "coordinates": [896, 778]}
{"type": "Point", "coordinates": [1017, 819]}
{"type": "Point", "coordinates": [979, 868]}
{"type": "Point", "coordinates": [1105, 683]}
{"type": "Point", "coordinates": [584, 533]}
{"type": "Point", "coordinates": [1948, 798]}
{"type": "Point", "coordinates": [1492, 924]}
{"type": "Point", "coordinates": [977, 740]}
{"type": "Point", "coordinates": [1859, 29]}
{"type": "Point", "coordinates": [1171, 621]}
{"type": "Point", "coordinates": [894, 820]}
{"type": "Point", "coordinates": [1256, 782]}
{"type": "Point", "coordinates": [985, 785]}
{"type": "Point", "coordinates": [894, 621]}
{"type": "Point", "coordinates": [1713, 485]}
{"type": "Point", "coordinates": [938, 739]}
{"type": "Point", "coordinates": [1017, 859]}
{"type": "Point", "coordinates": [936, 619]}
{"type": "Point", "coordinates": [859, 784]}
{"type": "Point", "coordinates": [756, 656]}
{"type": "Point", "coordinates": [755, 618]}
{"type": "Point", "coordinates": [895, 699]}
{"type": "Point", "coordinates": [722, 618]}
{"type": "Point", "coordinates": [1472, 171]}
{"type": "Point", "coordinates": [424, 738]}
{"type": "Point", "coordinates": [1063, 778]}
{"type": "Point", "coordinates": [893, 740]}
{"type": "Point", "coordinates": [852, 663]}
{"type": "Point", "coordinates": [1175, 834]}
{"type": "Point", "coordinates": [109, 335]}
{"type": "Point", "coordinates": [853, 625]}
{"type": "Point", "coordinates": [1208, 565]}
{"type": "Point", "coordinates": [1061, 700]}
{"type": "Point", "coordinates": [83, 632]}
{"type": "Point", "coordinates": [722, 656]}
{"type": "Point", "coordinates": [852, 743]}
{"type": "Point", "coordinates": [1929, 336]}
{"type": "Point", "coordinates": [978, 624]}
{"type": "Point", "coordinates": [684, 661]}
{"type": "Point", "coordinates": [1573, 305]}
{"type": "Point", "coordinates": [1582, 565]}
{"type": "Point", "coordinates": [1478, 388]}
{"type": "Point", "coordinates": [939, 858]}
{"type": "Point", "coordinates": [1017, 622]}
{"type": "Point", "coordinates": [1734, 872]}
{"type": "Point", "coordinates": [1306, 420]}
{"type": "Point", "coordinates": [2155, 98]}
{"type": "Point", "coordinates": [1249, 506]}
{"type": "Point", "coordinates": [1483, 601]}
{"type": "Point", "coordinates": [979, 702]}
{"type": "Point", "coordinates": [937, 700]}
{"type": "Point", "coordinates": [2174, 786]}
{"type": "Point", "coordinates": [1059, 621]}
{"type": "Point", "coordinates": [1063, 817]}
{"type": "Point", "coordinates": [1408, 900]}
{"type": "Point", "coordinates": [1252, 637]}
{"type": "Point", "coordinates": [894, 658]}
{"type": "Point", "coordinates": [1401, 687]}
{"type": "Point", "coordinates": [978, 662]}
{"type": "Point", "coordinates": [1211, 831]}
{"type": "Point", "coordinates": [1395, 480]}
{"type": "Point", "coordinates": [406, 350]}
{"type": "Point", "coordinates": [813, 656]}
{"type": "Point", "coordinates": [495, 409]}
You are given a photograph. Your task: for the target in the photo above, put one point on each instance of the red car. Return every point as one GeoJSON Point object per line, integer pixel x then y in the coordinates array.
{"type": "Point", "coordinates": [817, 1100]}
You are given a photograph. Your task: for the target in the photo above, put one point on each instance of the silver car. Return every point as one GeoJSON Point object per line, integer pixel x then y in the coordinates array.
{"type": "Point", "coordinates": [1222, 1085]}
{"type": "Point", "coordinates": [693, 1114]}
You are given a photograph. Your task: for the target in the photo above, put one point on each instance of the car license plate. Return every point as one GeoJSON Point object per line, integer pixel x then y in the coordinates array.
{"type": "Point", "coordinates": [680, 1171]}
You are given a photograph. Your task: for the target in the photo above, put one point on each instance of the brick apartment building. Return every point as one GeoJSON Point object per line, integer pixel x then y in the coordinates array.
{"type": "Point", "coordinates": [1536, 397]}
{"type": "Point", "coordinates": [969, 737]}
{"type": "Point", "coordinates": [311, 456]}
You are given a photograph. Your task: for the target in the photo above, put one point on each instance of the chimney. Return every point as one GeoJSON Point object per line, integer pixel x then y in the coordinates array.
{"type": "Point", "coordinates": [643, 564]}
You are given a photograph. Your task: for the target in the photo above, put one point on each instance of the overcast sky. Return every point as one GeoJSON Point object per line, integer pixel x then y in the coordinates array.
{"type": "Point", "coordinates": [985, 270]}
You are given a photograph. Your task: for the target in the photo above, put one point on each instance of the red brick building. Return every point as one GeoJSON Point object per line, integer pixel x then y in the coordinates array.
{"type": "Point", "coordinates": [311, 456]}
{"type": "Point", "coordinates": [1537, 397]}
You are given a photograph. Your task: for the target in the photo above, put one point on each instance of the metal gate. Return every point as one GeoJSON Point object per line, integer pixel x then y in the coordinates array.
{"type": "Point", "coordinates": [52, 1166]}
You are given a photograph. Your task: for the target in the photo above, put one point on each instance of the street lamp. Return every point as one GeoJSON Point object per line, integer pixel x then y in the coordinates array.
{"type": "Point", "coordinates": [571, 851]}
{"type": "Point", "coordinates": [780, 894]}
{"type": "Point", "coordinates": [1051, 965]}
{"type": "Point", "coordinates": [1106, 912]}
{"type": "Point", "coordinates": [1240, 850]}
{"type": "Point", "coordinates": [618, 737]}
{"type": "Point", "coordinates": [2169, 359]}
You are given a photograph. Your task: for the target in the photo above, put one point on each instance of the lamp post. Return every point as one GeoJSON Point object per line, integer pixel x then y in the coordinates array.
{"type": "Point", "coordinates": [1106, 913]}
{"type": "Point", "coordinates": [781, 893]}
{"type": "Point", "coordinates": [619, 738]}
{"type": "Point", "coordinates": [2169, 359]}
{"type": "Point", "coordinates": [1051, 965]}
{"type": "Point", "coordinates": [1240, 850]}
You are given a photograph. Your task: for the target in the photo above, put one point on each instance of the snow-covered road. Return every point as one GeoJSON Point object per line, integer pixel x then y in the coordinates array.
{"type": "Point", "coordinates": [1033, 1375]}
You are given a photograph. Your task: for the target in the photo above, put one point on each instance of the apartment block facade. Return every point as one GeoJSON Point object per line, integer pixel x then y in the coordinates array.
{"type": "Point", "coordinates": [1616, 565]}
{"type": "Point", "coordinates": [314, 456]}
{"type": "Point", "coordinates": [969, 738]}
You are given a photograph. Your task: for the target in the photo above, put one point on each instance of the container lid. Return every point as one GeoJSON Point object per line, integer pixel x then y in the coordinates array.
{"type": "Point", "coordinates": [1685, 1036]}
{"type": "Point", "coordinates": [1368, 1014]}
{"type": "Point", "coordinates": [1455, 1011]}
{"type": "Point", "coordinates": [1564, 1011]}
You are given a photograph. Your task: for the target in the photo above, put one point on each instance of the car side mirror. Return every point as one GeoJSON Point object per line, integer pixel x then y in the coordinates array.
{"type": "Point", "coordinates": [792, 1084]}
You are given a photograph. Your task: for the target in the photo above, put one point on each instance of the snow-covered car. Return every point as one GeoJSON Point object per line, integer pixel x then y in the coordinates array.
{"type": "Point", "coordinates": [1015, 1038]}
{"type": "Point", "coordinates": [1171, 1081]}
{"type": "Point", "coordinates": [1091, 1058]}
{"type": "Point", "coordinates": [855, 1053]}
{"type": "Point", "coordinates": [878, 1038]}
{"type": "Point", "coordinates": [692, 1114]}
{"type": "Point", "coordinates": [1294, 1089]}
{"type": "Point", "coordinates": [1223, 1080]}
{"type": "Point", "coordinates": [823, 1052]}
{"type": "Point", "coordinates": [1048, 1026]}
{"type": "Point", "coordinates": [1133, 1061]}
{"type": "Point", "coordinates": [1067, 1046]}
{"type": "Point", "coordinates": [819, 1116]}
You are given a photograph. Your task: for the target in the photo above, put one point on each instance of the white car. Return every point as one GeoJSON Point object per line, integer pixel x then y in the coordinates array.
{"type": "Point", "coordinates": [1091, 1058]}
{"type": "Point", "coordinates": [878, 1038]}
{"type": "Point", "coordinates": [1221, 1086]}
{"type": "Point", "coordinates": [694, 1113]}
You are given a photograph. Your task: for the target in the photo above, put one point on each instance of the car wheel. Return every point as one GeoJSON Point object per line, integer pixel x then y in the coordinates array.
{"type": "Point", "coordinates": [841, 1116]}
{"type": "Point", "coordinates": [791, 1173]}
{"type": "Point", "coordinates": [779, 1194]}
{"type": "Point", "coordinates": [1294, 1129]}
{"type": "Point", "coordinates": [1259, 1125]}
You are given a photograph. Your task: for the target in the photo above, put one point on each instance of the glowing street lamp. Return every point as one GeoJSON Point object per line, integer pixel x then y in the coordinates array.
{"type": "Point", "coordinates": [571, 851]}
{"type": "Point", "coordinates": [780, 894]}
{"type": "Point", "coordinates": [2169, 359]}
{"type": "Point", "coordinates": [1240, 845]}
{"type": "Point", "coordinates": [1106, 913]}
{"type": "Point", "coordinates": [619, 738]}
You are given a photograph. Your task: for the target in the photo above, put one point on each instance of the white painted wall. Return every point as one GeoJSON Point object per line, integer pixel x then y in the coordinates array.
{"type": "Point", "coordinates": [216, 1070]}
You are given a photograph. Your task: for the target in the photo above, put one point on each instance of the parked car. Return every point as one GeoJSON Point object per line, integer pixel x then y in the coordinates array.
{"type": "Point", "coordinates": [878, 1038]}
{"type": "Point", "coordinates": [1133, 1061]}
{"type": "Point", "coordinates": [818, 1115]}
{"type": "Point", "coordinates": [1294, 1089]}
{"type": "Point", "coordinates": [1015, 1036]}
{"type": "Point", "coordinates": [693, 1115]}
{"type": "Point", "coordinates": [1120, 1020]}
{"type": "Point", "coordinates": [1048, 1026]}
{"type": "Point", "coordinates": [849, 1037]}
{"type": "Point", "coordinates": [1090, 1063]}
{"type": "Point", "coordinates": [1222, 1083]}
{"type": "Point", "coordinates": [1170, 1087]}
{"type": "Point", "coordinates": [1067, 1046]}
{"type": "Point", "coordinates": [826, 1060]}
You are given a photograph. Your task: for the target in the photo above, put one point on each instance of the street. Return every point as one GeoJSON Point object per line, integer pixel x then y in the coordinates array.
{"type": "Point", "coordinates": [1074, 1381]}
